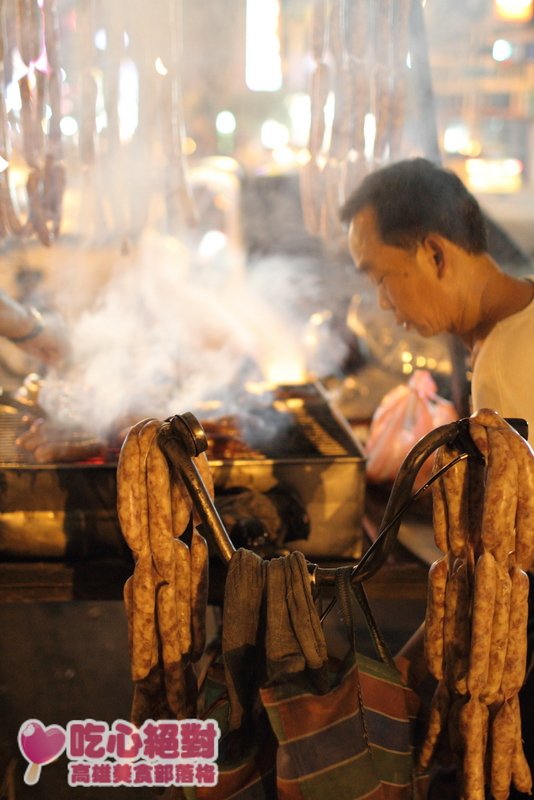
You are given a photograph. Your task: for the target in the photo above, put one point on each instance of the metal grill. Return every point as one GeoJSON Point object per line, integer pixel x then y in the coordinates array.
{"type": "Point", "coordinates": [11, 426]}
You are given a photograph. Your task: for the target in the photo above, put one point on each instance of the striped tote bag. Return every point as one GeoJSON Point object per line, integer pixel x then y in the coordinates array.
{"type": "Point", "coordinates": [356, 740]}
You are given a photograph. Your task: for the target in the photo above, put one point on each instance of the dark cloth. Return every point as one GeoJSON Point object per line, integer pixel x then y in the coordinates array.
{"type": "Point", "coordinates": [295, 640]}
{"type": "Point", "coordinates": [241, 643]}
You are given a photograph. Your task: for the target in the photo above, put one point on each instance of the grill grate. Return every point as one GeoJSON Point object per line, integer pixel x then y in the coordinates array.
{"type": "Point", "coordinates": [299, 424]}
{"type": "Point", "coordinates": [11, 426]}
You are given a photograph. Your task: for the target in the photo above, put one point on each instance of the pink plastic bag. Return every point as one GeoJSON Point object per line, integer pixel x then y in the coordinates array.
{"type": "Point", "coordinates": [404, 415]}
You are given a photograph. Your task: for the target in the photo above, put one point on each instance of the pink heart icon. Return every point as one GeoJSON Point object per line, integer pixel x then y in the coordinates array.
{"type": "Point", "coordinates": [39, 745]}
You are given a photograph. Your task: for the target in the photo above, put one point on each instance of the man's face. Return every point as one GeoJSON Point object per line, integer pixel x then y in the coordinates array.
{"type": "Point", "coordinates": [406, 280]}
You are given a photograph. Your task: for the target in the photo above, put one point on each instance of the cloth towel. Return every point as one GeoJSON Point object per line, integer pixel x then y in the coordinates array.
{"type": "Point", "coordinates": [295, 641]}
{"type": "Point", "coordinates": [242, 646]}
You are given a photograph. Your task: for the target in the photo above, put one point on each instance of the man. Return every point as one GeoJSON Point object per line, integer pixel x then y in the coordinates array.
{"type": "Point", "coordinates": [421, 237]}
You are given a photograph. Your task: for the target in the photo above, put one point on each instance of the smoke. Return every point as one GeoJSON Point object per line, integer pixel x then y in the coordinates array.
{"type": "Point", "coordinates": [164, 336]}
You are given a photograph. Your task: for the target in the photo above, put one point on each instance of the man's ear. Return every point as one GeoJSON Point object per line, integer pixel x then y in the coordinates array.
{"type": "Point", "coordinates": [435, 251]}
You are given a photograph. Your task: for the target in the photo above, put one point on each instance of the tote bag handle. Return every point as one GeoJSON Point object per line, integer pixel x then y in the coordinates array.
{"type": "Point", "coordinates": [350, 596]}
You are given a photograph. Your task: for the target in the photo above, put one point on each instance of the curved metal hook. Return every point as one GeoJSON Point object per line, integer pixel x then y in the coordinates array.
{"type": "Point", "coordinates": [182, 438]}
{"type": "Point", "coordinates": [400, 498]}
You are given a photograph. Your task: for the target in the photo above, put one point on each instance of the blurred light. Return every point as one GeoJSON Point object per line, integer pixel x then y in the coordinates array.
{"type": "Point", "coordinates": [369, 133]}
{"type": "Point", "coordinates": [299, 110]}
{"type": "Point", "coordinates": [274, 134]}
{"type": "Point", "coordinates": [284, 155]}
{"type": "Point", "coordinates": [456, 138]}
{"type": "Point", "coordinates": [101, 121]}
{"type": "Point", "coordinates": [406, 356]}
{"type": "Point", "coordinates": [126, 39]}
{"type": "Point", "coordinates": [311, 338]}
{"type": "Point", "coordinates": [472, 149]}
{"type": "Point", "coordinates": [407, 369]}
{"type": "Point", "coordinates": [68, 126]}
{"type": "Point", "coordinates": [42, 63]}
{"type": "Point", "coordinates": [303, 156]}
{"type": "Point", "coordinates": [225, 122]}
{"type": "Point", "coordinates": [288, 369]}
{"type": "Point", "coordinates": [3, 164]}
{"type": "Point", "coordinates": [13, 101]}
{"type": "Point", "coordinates": [409, 60]}
{"type": "Point", "coordinates": [101, 39]}
{"type": "Point", "coordinates": [263, 69]}
{"type": "Point", "coordinates": [318, 317]}
{"type": "Point", "coordinates": [329, 109]}
{"type": "Point", "coordinates": [188, 146]}
{"type": "Point", "coordinates": [502, 50]}
{"type": "Point", "coordinates": [63, 74]}
{"type": "Point", "coordinates": [211, 244]}
{"type": "Point", "coordinates": [512, 167]}
{"type": "Point", "coordinates": [128, 105]}
{"type": "Point", "coordinates": [494, 175]}
{"type": "Point", "coordinates": [32, 80]}
{"type": "Point", "coordinates": [294, 403]}
{"type": "Point", "coordinates": [161, 69]}
{"type": "Point", "coordinates": [19, 68]}
{"type": "Point", "coordinates": [514, 10]}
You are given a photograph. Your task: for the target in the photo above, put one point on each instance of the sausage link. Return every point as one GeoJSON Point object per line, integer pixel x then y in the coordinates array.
{"type": "Point", "coordinates": [499, 492]}
{"type": "Point", "coordinates": [500, 497]}
{"type": "Point", "coordinates": [503, 741]}
{"type": "Point", "coordinates": [159, 511]}
{"type": "Point", "coordinates": [456, 495]}
{"type": "Point", "coordinates": [127, 594]}
{"type": "Point", "coordinates": [524, 518]}
{"type": "Point", "coordinates": [146, 582]}
{"type": "Point", "coordinates": [453, 726]}
{"type": "Point", "coordinates": [128, 494]}
{"type": "Point", "coordinates": [456, 630]}
{"type": "Point", "coordinates": [473, 725]}
{"type": "Point", "coordinates": [145, 438]}
{"type": "Point", "coordinates": [144, 639]}
{"type": "Point", "coordinates": [437, 718]}
{"type": "Point", "coordinates": [487, 417]}
{"type": "Point", "coordinates": [516, 650]}
{"type": "Point", "coordinates": [523, 455]}
{"type": "Point", "coordinates": [319, 94]}
{"type": "Point", "coordinates": [481, 621]}
{"type": "Point", "coordinates": [311, 181]}
{"type": "Point", "coordinates": [499, 636]}
{"type": "Point", "coordinates": [36, 216]}
{"type": "Point", "coordinates": [173, 663]}
{"type": "Point", "coordinates": [182, 588]}
{"type": "Point", "coordinates": [10, 215]}
{"type": "Point", "coordinates": [435, 616]}
{"type": "Point", "coordinates": [439, 506]}
{"type": "Point", "coordinates": [181, 504]}
{"type": "Point", "coordinates": [521, 774]}
{"type": "Point", "coordinates": [149, 698]}
{"type": "Point", "coordinates": [199, 594]}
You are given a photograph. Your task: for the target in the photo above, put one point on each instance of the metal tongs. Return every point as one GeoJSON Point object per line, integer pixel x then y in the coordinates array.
{"type": "Point", "coordinates": [182, 438]}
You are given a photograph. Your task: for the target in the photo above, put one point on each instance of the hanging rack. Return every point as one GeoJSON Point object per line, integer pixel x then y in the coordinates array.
{"type": "Point", "coordinates": [182, 438]}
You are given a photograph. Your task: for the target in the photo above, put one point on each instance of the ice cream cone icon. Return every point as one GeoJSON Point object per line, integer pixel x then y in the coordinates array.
{"type": "Point", "coordinates": [39, 745]}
